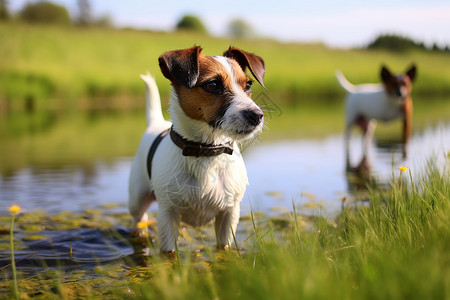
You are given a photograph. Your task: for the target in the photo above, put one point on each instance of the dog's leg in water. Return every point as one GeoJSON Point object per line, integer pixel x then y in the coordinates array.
{"type": "Point", "coordinates": [407, 124]}
{"type": "Point", "coordinates": [368, 128]}
{"type": "Point", "coordinates": [168, 225]}
{"type": "Point", "coordinates": [225, 222]}
{"type": "Point", "coordinates": [348, 130]}
{"type": "Point", "coordinates": [369, 134]}
{"type": "Point", "coordinates": [138, 206]}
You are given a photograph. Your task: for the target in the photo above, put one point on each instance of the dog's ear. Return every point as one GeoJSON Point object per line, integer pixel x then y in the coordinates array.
{"type": "Point", "coordinates": [245, 59]}
{"type": "Point", "coordinates": [386, 75]}
{"type": "Point", "coordinates": [411, 73]}
{"type": "Point", "coordinates": [181, 66]}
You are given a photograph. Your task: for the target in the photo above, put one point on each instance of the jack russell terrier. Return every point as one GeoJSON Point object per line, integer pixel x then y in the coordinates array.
{"type": "Point", "coordinates": [196, 173]}
{"type": "Point", "coordinates": [389, 100]}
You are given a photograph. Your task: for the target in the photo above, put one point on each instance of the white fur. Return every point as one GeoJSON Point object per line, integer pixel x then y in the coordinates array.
{"type": "Point", "coordinates": [233, 120]}
{"type": "Point", "coordinates": [195, 190]}
{"type": "Point", "coordinates": [371, 101]}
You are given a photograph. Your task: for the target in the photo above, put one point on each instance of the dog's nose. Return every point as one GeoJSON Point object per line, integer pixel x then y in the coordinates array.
{"type": "Point", "coordinates": [252, 116]}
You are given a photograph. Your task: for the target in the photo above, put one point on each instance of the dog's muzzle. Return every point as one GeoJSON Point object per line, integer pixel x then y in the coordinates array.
{"type": "Point", "coordinates": [253, 117]}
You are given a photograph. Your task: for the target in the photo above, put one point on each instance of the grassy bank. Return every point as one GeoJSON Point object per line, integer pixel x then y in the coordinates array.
{"type": "Point", "coordinates": [51, 67]}
{"type": "Point", "coordinates": [396, 247]}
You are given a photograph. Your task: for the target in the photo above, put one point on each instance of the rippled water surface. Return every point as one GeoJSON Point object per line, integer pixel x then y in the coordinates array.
{"type": "Point", "coordinates": [77, 212]}
{"type": "Point", "coordinates": [303, 171]}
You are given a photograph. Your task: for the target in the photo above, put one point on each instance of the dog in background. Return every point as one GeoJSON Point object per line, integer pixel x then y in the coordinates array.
{"type": "Point", "coordinates": [389, 100]}
{"type": "Point", "coordinates": [193, 167]}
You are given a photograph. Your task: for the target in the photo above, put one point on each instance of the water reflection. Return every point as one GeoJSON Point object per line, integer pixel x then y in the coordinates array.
{"type": "Point", "coordinates": [77, 249]}
{"type": "Point", "coordinates": [361, 176]}
{"type": "Point", "coordinates": [358, 176]}
{"type": "Point", "coordinates": [79, 163]}
{"type": "Point", "coordinates": [71, 187]}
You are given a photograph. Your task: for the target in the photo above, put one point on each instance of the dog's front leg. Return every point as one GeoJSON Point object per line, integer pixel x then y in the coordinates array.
{"type": "Point", "coordinates": [138, 204]}
{"type": "Point", "coordinates": [407, 124]}
{"type": "Point", "coordinates": [226, 221]}
{"type": "Point", "coordinates": [348, 131]}
{"type": "Point", "coordinates": [168, 225]}
{"type": "Point", "coordinates": [368, 135]}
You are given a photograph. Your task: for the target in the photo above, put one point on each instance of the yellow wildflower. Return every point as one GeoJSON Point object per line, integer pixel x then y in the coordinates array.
{"type": "Point", "coordinates": [403, 169]}
{"type": "Point", "coordinates": [141, 225]}
{"type": "Point", "coordinates": [145, 224]}
{"type": "Point", "coordinates": [15, 209]}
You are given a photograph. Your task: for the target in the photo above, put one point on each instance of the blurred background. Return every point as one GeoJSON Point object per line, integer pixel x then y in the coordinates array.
{"type": "Point", "coordinates": [72, 104]}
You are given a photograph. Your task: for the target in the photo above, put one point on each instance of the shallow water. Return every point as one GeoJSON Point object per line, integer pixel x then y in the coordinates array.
{"type": "Point", "coordinates": [316, 175]}
{"type": "Point", "coordinates": [310, 172]}
{"type": "Point", "coordinates": [78, 216]}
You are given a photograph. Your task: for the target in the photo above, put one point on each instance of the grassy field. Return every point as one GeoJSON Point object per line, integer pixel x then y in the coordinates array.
{"type": "Point", "coordinates": [53, 67]}
{"type": "Point", "coordinates": [395, 247]}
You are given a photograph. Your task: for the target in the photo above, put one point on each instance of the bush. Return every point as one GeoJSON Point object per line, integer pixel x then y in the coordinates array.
{"type": "Point", "coordinates": [191, 23]}
{"type": "Point", "coordinates": [395, 43]}
{"type": "Point", "coordinates": [239, 28]}
{"type": "Point", "coordinates": [45, 12]}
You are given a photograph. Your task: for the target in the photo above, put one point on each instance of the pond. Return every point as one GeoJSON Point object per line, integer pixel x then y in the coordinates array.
{"type": "Point", "coordinates": [56, 165]}
{"type": "Point", "coordinates": [59, 162]}
{"type": "Point", "coordinates": [310, 172]}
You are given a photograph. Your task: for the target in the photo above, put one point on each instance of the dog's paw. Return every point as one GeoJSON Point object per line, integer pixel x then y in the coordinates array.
{"type": "Point", "coordinates": [170, 255]}
{"type": "Point", "coordinates": [223, 247]}
{"type": "Point", "coordinates": [138, 232]}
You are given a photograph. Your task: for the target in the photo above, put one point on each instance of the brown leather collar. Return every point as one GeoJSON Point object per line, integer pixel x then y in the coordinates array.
{"type": "Point", "coordinates": [191, 148]}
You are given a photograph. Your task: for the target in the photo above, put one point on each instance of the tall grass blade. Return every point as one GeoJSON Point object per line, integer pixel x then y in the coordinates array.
{"type": "Point", "coordinates": [235, 241]}
{"type": "Point", "coordinates": [13, 262]}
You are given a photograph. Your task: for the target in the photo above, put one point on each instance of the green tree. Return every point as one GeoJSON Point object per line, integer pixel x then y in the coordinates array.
{"type": "Point", "coordinates": [45, 12]}
{"type": "Point", "coordinates": [4, 12]}
{"type": "Point", "coordinates": [238, 28]}
{"type": "Point", "coordinates": [191, 23]}
{"type": "Point", "coordinates": [84, 8]}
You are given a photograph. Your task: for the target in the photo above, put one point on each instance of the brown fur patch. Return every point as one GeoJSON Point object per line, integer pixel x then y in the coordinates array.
{"type": "Point", "coordinates": [407, 121]}
{"type": "Point", "coordinates": [393, 84]}
{"type": "Point", "coordinates": [208, 107]}
{"type": "Point", "coordinates": [362, 122]}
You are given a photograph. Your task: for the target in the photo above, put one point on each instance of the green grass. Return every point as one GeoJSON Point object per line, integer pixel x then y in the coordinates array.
{"type": "Point", "coordinates": [68, 68]}
{"type": "Point", "coordinates": [395, 247]}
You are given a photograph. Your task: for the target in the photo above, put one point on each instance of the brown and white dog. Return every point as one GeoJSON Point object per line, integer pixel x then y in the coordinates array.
{"type": "Point", "coordinates": [197, 173]}
{"type": "Point", "coordinates": [389, 100]}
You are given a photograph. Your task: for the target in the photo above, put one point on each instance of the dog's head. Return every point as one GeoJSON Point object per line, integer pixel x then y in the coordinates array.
{"type": "Point", "coordinates": [398, 86]}
{"type": "Point", "coordinates": [216, 89]}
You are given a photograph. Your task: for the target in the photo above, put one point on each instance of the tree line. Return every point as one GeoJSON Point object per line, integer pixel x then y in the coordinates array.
{"type": "Point", "coordinates": [47, 12]}
{"type": "Point", "coordinates": [397, 43]}
{"type": "Point", "coordinates": [51, 13]}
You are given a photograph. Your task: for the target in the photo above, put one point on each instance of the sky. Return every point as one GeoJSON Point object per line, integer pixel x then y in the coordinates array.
{"type": "Point", "coordinates": [341, 24]}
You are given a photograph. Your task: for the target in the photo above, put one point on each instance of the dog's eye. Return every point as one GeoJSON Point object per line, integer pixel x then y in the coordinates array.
{"type": "Point", "coordinates": [248, 86]}
{"type": "Point", "coordinates": [213, 86]}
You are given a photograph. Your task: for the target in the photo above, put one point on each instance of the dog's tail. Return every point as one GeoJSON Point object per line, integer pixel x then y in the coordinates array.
{"type": "Point", "coordinates": [152, 100]}
{"type": "Point", "coordinates": [344, 82]}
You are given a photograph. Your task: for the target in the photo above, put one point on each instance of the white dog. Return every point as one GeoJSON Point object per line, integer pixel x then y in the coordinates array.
{"type": "Point", "coordinates": [389, 100]}
{"type": "Point", "coordinates": [196, 173]}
